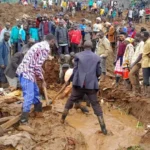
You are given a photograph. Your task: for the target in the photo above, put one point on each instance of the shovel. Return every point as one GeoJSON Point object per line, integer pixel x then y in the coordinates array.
{"type": "Point", "coordinates": [61, 90]}
{"type": "Point", "coordinates": [48, 102]}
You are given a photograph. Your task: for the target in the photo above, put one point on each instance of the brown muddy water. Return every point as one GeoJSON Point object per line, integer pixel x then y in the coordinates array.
{"type": "Point", "coordinates": [122, 129]}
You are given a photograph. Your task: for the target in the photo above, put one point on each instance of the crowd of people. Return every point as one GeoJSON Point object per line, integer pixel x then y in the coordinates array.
{"type": "Point", "coordinates": [82, 47]}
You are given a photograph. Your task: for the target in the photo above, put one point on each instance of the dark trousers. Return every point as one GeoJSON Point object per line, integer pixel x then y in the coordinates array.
{"type": "Point", "coordinates": [74, 48]}
{"type": "Point", "coordinates": [78, 93]}
{"type": "Point", "coordinates": [15, 48]}
{"type": "Point", "coordinates": [2, 76]}
{"type": "Point", "coordinates": [63, 50]}
{"type": "Point", "coordinates": [146, 76]}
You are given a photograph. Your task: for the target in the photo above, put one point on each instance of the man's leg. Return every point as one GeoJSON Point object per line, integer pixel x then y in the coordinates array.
{"type": "Point", "coordinates": [92, 95]}
{"type": "Point", "coordinates": [36, 101]}
{"type": "Point", "coordinates": [66, 49]}
{"type": "Point", "coordinates": [103, 67]}
{"type": "Point", "coordinates": [134, 77]}
{"type": "Point", "coordinates": [76, 95]}
{"type": "Point", "coordinates": [146, 81]}
{"type": "Point", "coordinates": [60, 50]}
{"type": "Point", "coordinates": [3, 78]}
{"type": "Point", "coordinates": [28, 95]}
{"type": "Point", "coordinates": [76, 48]}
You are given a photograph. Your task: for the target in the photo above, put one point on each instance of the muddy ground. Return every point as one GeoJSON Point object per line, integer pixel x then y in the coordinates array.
{"type": "Point", "coordinates": [126, 116]}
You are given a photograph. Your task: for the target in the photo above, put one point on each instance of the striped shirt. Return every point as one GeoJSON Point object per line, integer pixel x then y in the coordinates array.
{"type": "Point", "coordinates": [31, 65]}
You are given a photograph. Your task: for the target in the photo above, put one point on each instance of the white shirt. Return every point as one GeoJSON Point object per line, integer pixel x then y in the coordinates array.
{"type": "Point", "coordinates": [68, 74]}
{"type": "Point", "coordinates": [130, 13]}
{"type": "Point", "coordinates": [141, 13]}
{"type": "Point", "coordinates": [138, 50]}
{"type": "Point", "coordinates": [50, 2]}
{"type": "Point", "coordinates": [44, 2]}
{"type": "Point", "coordinates": [97, 27]}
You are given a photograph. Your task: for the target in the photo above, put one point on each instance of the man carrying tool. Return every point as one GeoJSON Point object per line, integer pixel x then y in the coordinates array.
{"type": "Point", "coordinates": [85, 81]}
{"type": "Point", "coordinates": [28, 71]}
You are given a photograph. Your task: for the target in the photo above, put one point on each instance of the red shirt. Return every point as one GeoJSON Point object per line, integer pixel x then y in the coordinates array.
{"type": "Point", "coordinates": [37, 23]}
{"type": "Point", "coordinates": [133, 34]}
{"type": "Point", "coordinates": [75, 36]}
{"type": "Point", "coordinates": [46, 27]}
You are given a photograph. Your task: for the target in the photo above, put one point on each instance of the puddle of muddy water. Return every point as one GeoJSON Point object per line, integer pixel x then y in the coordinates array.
{"type": "Point", "coordinates": [121, 128]}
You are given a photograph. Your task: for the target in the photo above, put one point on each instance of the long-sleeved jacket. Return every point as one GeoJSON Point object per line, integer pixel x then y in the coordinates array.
{"type": "Point", "coordinates": [51, 26]}
{"type": "Point", "coordinates": [4, 53]}
{"type": "Point", "coordinates": [103, 47]}
{"type": "Point", "coordinates": [61, 34]}
{"type": "Point", "coordinates": [83, 74]}
{"type": "Point", "coordinates": [10, 70]}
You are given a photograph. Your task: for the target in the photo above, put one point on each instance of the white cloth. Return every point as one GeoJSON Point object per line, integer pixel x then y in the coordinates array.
{"type": "Point", "coordinates": [138, 50]}
{"type": "Point", "coordinates": [44, 2]}
{"type": "Point", "coordinates": [141, 13]}
{"type": "Point", "coordinates": [130, 15]}
{"type": "Point", "coordinates": [50, 2]}
{"type": "Point", "coordinates": [97, 27]}
{"type": "Point", "coordinates": [68, 74]}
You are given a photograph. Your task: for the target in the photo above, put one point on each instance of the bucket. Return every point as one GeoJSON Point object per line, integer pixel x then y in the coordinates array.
{"type": "Point", "coordinates": [126, 73]}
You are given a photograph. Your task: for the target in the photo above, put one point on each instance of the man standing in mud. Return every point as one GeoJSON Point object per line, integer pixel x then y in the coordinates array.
{"type": "Point", "coordinates": [29, 71]}
{"type": "Point", "coordinates": [85, 81]}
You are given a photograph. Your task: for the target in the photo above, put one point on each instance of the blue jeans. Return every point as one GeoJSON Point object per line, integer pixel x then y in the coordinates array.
{"type": "Point", "coordinates": [30, 93]}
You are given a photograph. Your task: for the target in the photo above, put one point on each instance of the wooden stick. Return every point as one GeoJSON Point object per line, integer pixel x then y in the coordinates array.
{"type": "Point", "coordinates": [4, 119]}
{"type": "Point", "coordinates": [11, 122]}
{"type": "Point", "coordinates": [61, 90]}
{"type": "Point", "coordinates": [46, 96]}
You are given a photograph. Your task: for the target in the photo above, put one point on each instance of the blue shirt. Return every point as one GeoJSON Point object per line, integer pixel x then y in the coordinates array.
{"type": "Point", "coordinates": [34, 34]}
{"type": "Point", "coordinates": [82, 27]}
{"type": "Point", "coordinates": [99, 3]}
{"type": "Point", "coordinates": [22, 34]}
{"type": "Point", "coordinates": [124, 29]}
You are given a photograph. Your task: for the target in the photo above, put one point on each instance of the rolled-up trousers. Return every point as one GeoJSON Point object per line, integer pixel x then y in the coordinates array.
{"type": "Point", "coordinates": [78, 93]}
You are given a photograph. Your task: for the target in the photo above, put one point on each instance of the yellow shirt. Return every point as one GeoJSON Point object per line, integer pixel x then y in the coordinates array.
{"type": "Point", "coordinates": [102, 12]}
{"type": "Point", "coordinates": [145, 58]}
{"type": "Point", "coordinates": [64, 4]}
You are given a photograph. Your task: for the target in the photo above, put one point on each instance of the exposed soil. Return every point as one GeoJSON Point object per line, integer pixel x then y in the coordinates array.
{"type": "Point", "coordinates": [81, 131]}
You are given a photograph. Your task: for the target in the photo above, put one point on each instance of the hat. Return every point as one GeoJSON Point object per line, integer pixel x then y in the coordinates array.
{"type": "Point", "coordinates": [65, 66]}
{"type": "Point", "coordinates": [108, 23]}
{"type": "Point", "coordinates": [72, 54]}
{"type": "Point", "coordinates": [130, 40]}
{"type": "Point", "coordinates": [62, 56]}
{"type": "Point", "coordinates": [98, 18]}
{"type": "Point", "coordinates": [88, 44]}
{"type": "Point", "coordinates": [116, 23]}
{"type": "Point", "coordinates": [45, 15]}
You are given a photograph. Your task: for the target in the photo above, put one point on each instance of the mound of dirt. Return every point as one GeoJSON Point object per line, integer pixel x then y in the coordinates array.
{"type": "Point", "coordinates": [51, 135]}
{"type": "Point", "coordinates": [124, 99]}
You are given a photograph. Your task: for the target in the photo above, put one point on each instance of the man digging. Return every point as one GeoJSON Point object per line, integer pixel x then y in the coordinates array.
{"type": "Point", "coordinates": [28, 71]}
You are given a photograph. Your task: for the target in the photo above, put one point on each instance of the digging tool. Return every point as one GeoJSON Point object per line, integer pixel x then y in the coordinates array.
{"type": "Point", "coordinates": [48, 102]}
{"type": "Point", "coordinates": [61, 90]}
